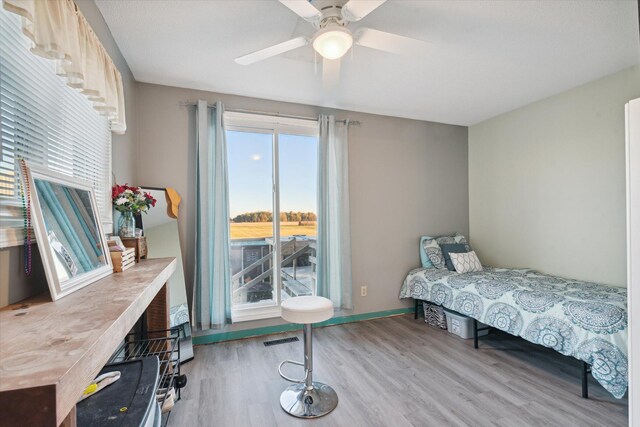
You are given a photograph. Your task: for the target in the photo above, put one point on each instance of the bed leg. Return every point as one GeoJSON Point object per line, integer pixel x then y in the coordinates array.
{"type": "Point", "coordinates": [475, 333]}
{"type": "Point", "coordinates": [585, 380]}
{"type": "Point", "coordinates": [415, 314]}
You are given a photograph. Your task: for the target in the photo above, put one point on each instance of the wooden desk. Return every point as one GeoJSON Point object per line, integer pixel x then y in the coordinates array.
{"type": "Point", "coordinates": [50, 351]}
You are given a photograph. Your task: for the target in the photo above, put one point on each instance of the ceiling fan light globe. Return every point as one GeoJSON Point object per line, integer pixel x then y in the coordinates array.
{"type": "Point", "coordinates": [333, 43]}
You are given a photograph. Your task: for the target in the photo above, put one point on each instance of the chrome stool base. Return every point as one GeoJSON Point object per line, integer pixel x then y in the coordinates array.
{"type": "Point", "coordinates": [300, 402]}
{"type": "Point", "coordinates": [307, 398]}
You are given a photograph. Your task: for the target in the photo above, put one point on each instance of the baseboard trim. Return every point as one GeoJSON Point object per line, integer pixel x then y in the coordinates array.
{"type": "Point", "coordinates": [269, 330]}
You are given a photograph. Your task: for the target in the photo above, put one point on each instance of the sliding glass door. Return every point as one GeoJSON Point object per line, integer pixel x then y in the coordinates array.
{"type": "Point", "coordinates": [298, 178]}
{"type": "Point", "coordinates": [273, 210]}
{"type": "Point", "coordinates": [250, 160]}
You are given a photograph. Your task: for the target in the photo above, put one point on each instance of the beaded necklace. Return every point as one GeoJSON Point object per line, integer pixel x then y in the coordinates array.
{"type": "Point", "coordinates": [25, 192]}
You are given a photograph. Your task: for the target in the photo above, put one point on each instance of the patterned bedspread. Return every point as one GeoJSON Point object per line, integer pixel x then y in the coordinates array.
{"type": "Point", "coordinates": [585, 320]}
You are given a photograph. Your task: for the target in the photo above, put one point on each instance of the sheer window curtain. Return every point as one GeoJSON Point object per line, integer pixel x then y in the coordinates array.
{"type": "Point", "coordinates": [212, 299]}
{"type": "Point", "coordinates": [334, 234]}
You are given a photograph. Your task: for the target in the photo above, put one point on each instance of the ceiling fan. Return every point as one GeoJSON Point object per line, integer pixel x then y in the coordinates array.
{"type": "Point", "coordinates": [333, 39]}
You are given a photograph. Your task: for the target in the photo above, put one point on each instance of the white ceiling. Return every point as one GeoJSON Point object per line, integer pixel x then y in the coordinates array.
{"type": "Point", "coordinates": [486, 57]}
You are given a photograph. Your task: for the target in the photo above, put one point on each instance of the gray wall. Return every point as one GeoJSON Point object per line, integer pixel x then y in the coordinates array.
{"type": "Point", "coordinates": [407, 178]}
{"type": "Point", "coordinates": [14, 285]}
{"type": "Point", "coordinates": [547, 183]}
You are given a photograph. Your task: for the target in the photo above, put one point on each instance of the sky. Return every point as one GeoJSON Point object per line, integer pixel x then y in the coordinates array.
{"type": "Point", "coordinates": [250, 163]}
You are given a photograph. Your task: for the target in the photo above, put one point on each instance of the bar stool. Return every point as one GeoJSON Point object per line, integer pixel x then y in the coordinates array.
{"type": "Point", "coordinates": [307, 398]}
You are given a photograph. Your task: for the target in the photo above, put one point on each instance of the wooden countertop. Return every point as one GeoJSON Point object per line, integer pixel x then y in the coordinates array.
{"type": "Point", "coordinates": [50, 351]}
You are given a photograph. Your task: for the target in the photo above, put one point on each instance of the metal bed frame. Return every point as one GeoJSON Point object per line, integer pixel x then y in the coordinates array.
{"type": "Point", "coordinates": [586, 368]}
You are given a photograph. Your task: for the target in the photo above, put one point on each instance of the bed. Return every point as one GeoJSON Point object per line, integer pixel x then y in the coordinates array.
{"type": "Point", "coordinates": [587, 321]}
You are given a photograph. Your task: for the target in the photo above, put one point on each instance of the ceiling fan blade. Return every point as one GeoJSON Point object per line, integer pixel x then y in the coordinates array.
{"type": "Point", "coordinates": [355, 10]}
{"type": "Point", "coordinates": [330, 73]}
{"type": "Point", "coordinates": [389, 42]}
{"type": "Point", "coordinates": [272, 51]}
{"type": "Point", "coordinates": [304, 10]}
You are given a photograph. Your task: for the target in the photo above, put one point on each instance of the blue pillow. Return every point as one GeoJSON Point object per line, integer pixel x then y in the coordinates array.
{"type": "Point", "coordinates": [424, 259]}
{"type": "Point", "coordinates": [456, 248]}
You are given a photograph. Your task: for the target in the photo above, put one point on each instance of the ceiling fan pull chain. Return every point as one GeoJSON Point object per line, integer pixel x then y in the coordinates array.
{"type": "Point", "coordinates": [315, 62]}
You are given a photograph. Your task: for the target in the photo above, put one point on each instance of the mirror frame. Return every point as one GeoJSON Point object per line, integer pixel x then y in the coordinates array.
{"type": "Point", "coordinates": [58, 289]}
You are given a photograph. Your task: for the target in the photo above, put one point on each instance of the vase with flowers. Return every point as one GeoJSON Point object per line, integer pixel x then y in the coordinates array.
{"type": "Point", "coordinates": [130, 201]}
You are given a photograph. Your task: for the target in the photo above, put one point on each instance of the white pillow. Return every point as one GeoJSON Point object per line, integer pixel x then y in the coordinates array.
{"type": "Point", "coordinates": [465, 262]}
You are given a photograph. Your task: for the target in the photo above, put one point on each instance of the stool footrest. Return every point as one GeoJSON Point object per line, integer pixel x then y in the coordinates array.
{"type": "Point", "coordinates": [293, 380]}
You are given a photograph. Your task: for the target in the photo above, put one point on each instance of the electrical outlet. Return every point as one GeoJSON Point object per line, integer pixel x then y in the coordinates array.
{"type": "Point", "coordinates": [363, 291]}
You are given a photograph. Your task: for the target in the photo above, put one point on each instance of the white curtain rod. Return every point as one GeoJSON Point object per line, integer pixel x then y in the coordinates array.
{"type": "Point", "coordinates": [264, 113]}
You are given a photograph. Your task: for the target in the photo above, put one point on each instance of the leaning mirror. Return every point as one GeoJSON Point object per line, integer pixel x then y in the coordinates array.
{"type": "Point", "coordinates": [68, 230]}
{"type": "Point", "coordinates": [160, 226]}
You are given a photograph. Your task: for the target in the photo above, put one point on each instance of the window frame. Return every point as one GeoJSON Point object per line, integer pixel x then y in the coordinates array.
{"type": "Point", "coordinates": [273, 125]}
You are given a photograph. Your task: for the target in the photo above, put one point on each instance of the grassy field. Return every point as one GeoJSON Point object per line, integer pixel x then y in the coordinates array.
{"type": "Point", "coordinates": [249, 230]}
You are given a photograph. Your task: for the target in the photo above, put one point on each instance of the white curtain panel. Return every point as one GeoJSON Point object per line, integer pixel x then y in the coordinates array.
{"type": "Point", "coordinates": [211, 296]}
{"type": "Point", "coordinates": [58, 31]}
{"type": "Point", "coordinates": [334, 235]}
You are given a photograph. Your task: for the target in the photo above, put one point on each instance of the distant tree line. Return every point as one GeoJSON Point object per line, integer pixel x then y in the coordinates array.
{"type": "Point", "coordinates": [261, 216]}
{"type": "Point", "coordinates": [264, 216]}
{"type": "Point", "coordinates": [298, 216]}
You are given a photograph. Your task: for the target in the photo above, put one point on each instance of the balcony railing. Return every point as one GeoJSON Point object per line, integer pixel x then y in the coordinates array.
{"type": "Point", "coordinates": [296, 280]}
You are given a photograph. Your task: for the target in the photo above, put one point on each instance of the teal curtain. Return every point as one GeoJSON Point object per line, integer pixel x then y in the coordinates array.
{"type": "Point", "coordinates": [212, 296]}
{"type": "Point", "coordinates": [334, 234]}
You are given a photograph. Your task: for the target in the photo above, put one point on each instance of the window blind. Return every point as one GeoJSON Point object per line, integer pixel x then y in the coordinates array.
{"type": "Point", "coordinates": [47, 123]}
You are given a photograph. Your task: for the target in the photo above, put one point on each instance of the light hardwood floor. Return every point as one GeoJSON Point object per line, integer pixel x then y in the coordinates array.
{"type": "Point", "coordinates": [396, 372]}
